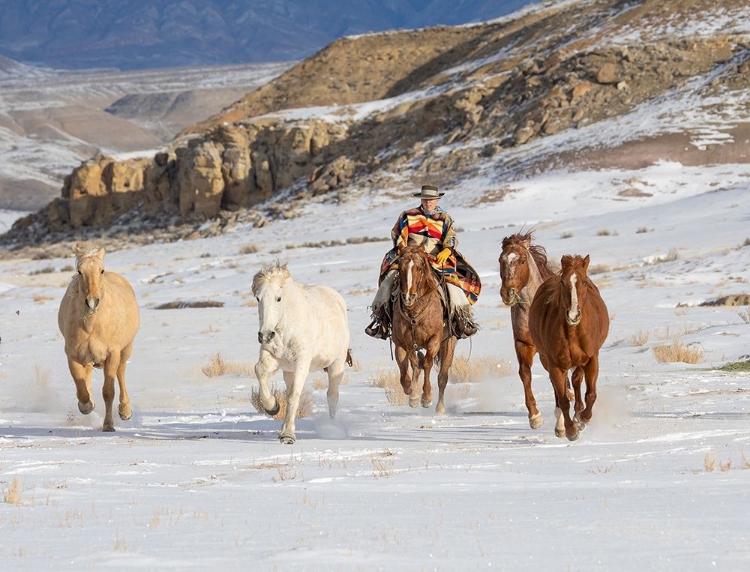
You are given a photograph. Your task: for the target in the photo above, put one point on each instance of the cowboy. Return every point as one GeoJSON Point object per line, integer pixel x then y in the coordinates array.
{"type": "Point", "coordinates": [431, 227]}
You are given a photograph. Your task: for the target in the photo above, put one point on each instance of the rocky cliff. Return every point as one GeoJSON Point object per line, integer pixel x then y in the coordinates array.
{"type": "Point", "coordinates": [381, 110]}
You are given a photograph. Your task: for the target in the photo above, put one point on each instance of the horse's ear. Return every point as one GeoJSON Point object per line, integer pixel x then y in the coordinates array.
{"type": "Point", "coordinates": [100, 254]}
{"type": "Point", "coordinates": [586, 263]}
{"type": "Point", "coordinates": [526, 242]}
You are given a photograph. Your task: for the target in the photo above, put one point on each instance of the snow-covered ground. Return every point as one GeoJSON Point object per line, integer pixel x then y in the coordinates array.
{"type": "Point", "coordinates": [197, 478]}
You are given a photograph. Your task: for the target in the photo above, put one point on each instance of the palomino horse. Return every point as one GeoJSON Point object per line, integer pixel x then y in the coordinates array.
{"type": "Point", "coordinates": [568, 322]}
{"type": "Point", "coordinates": [523, 268]}
{"type": "Point", "coordinates": [301, 329]}
{"type": "Point", "coordinates": [98, 318]}
{"type": "Point", "coordinates": [419, 323]}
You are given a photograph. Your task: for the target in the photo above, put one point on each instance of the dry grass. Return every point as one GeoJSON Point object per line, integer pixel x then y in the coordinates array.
{"type": "Point", "coordinates": [304, 409]}
{"type": "Point", "coordinates": [724, 467]}
{"type": "Point", "coordinates": [566, 235]}
{"type": "Point", "coordinates": [390, 381]}
{"type": "Point", "coordinates": [39, 298]}
{"type": "Point", "coordinates": [249, 249]}
{"type": "Point", "coordinates": [220, 366]}
{"type": "Point", "coordinates": [467, 370]}
{"type": "Point", "coordinates": [745, 462]}
{"type": "Point", "coordinates": [745, 315]}
{"type": "Point", "coordinates": [678, 352]}
{"type": "Point", "coordinates": [709, 462]}
{"type": "Point", "coordinates": [638, 339]}
{"type": "Point", "coordinates": [13, 494]}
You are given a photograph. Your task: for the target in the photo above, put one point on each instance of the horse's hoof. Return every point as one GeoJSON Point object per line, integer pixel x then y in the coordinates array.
{"type": "Point", "coordinates": [426, 402]}
{"type": "Point", "coordinates": [440, 409]}
{"type": "Point", "coordinates": [125, 412]}
{"type": "Point", "coordinates": [574, 436]}
{"type": "Point", "coordinates": [413, 401]}
{"type": "Point", "coordinates": [579, 422]}
{"type": "Point", "coordinates": [273, 411]}
{"type": "Point", "coordinates": [86, 408]}
{"type": "Point", "coordinates": [287, 439]}
{"type": "Point", "coordinates": [108, 428]}
{"type": "Point", "coordinates": [559, 433]}
{"type": "Point", "coordinates": [536, 421]}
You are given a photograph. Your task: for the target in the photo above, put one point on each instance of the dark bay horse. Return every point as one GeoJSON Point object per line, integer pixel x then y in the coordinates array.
{"type": "Point", "coordinates": [523, 268]}
{"type": "Point", "coordinates": [419, 323]}
{"type": "Point", "coordinates": [568, 322]}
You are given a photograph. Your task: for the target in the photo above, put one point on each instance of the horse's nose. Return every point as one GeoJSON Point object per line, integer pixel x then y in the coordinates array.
{"type": "Point", "coordinates": [265, 338]}
{"type": "Point", "coordinates": [92, 303]}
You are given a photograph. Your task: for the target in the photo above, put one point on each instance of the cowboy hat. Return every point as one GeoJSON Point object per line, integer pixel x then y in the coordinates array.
{"type": "Point", "coordinates": [428, 192]}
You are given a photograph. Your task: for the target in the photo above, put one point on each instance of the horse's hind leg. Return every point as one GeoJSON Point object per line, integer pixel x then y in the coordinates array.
{"type": "Point", "coordinates": [124, 408]}
{"type": "Point", "coordinates": [111, 367]}
{"type": "Point", "coordinates": [82, 378]}
{"type": "Point", "coordinates": [335, 375]}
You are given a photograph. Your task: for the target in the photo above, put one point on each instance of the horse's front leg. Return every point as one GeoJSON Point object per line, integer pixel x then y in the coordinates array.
{"type": "Point", "coordinates": [267, 365]}
{"type": "Point", "coordinates": [403, 367]}
{"type": "Point", "coordinates": [576, 380]}
{"type": "Point", "coordinates": [124, 408]}
{"type": "Point", "coordinates": [82, 378]}
{"type": "Point", "coordinates": [295, 382]}
{"type": "Point", "coordinates": [429, 360]}
{"type": "Point", "coordinates": [111, 367]}
{"type": "Point", "coordinates": [447, 349]}
{"type": "Point", "coordinates": [525, 354]}
{"type": "Point", "coordinates": [591, 370]}
{"type": "Point", "coordinates": [564, 425]}
{"type": "Point", "coordinates": [416, 359]}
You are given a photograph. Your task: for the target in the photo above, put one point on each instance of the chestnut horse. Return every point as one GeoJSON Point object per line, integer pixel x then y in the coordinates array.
{"type": "Point", "coordinates": [523, 268]}
{"type": "Point", "coordinates": [419, 323]}
{"type": "Point", "coordinates": [568, 322]}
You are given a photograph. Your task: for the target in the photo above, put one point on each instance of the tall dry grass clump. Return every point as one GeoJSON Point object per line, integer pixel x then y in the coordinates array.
{"type": "Point", "coordinates": [304, 409]}
{"type": "Point", "coordinates": [13, 494]}
{"type": "Point", "coordinates": [390, 381]}
{"type": "Point", "coordinates": [467, 370]}
{"type": "Point", "coordinates": [638, 339]}
{"type": "Point", "coordinates": [678, 352]}
{"type": "Point", "coordinates": [220, 366]}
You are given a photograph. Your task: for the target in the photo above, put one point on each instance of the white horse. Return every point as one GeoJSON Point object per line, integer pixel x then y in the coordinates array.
{"type": "Point", "coordinates": [302, 329]}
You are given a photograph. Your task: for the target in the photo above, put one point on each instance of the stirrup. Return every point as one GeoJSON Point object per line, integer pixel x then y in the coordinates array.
{"type": "Point", "coordinates": [377, 330]}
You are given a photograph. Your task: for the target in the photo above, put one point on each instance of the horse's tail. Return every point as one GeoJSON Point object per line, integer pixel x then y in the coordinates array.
{"type": "Point", "coordinates": [349, 361]}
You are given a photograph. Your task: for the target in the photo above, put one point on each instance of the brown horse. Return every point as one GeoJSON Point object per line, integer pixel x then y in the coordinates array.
{"type": "Point", "coordinates": [568, 322]}
{"type": "Point", "coordinates": [419, 323]}
{"type": "Point", "coordinates": [98, 318]}
{"type": "Point", "coordinates": [523, 268]}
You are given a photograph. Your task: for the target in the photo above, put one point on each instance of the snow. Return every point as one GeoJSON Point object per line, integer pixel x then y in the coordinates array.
{"type": "Point", "coordinates": [198, 479]}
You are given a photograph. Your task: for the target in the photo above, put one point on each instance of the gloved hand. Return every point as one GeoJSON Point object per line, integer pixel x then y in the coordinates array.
{"type": "Point", "coordinates": [443, 255]}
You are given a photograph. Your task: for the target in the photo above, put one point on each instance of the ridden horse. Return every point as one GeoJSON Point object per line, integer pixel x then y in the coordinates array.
{"type": "Point", "coordinates": [98, 318]}
{"type": "Point", "coordinates": [419, 323]}
{"type": "Point", "coordinates": [523, 267]}
{"type": "Point", "coordinates": [302, 329]}
{"type": "Point", "coordinates": [568, 322]}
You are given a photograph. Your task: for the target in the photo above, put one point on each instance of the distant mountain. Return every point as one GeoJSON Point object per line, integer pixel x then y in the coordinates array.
{"type": "Point", "coordinates": [141, 34]}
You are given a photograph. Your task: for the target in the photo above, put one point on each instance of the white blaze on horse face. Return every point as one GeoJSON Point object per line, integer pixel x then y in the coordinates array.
{"type": "Point", "coordinates": [510, 259]}
{"type": "Point", "coordinates": [573, 313]}
{"type": "Point", "coordinates": [409, 278]}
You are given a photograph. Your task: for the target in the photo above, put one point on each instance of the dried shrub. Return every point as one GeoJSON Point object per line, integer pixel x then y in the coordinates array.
{"type": "Point", "coordinates": [678, 352]}
{"type": "Point", "coordinates": [249, 249]}
{"type": "Point", "coordinates": [304, 409]}
{"type": "Point", "coordinates": [390, 381]}
{"type": "Point", "coordinates": [13, 494]}
{"type": "Point", "coordinates": [465, 370]}
{"type": "Point", "coordinates": [709, 462]}
{"type": "Point", "coordinates": [220, 366]}
{"type": "Point", "coordinates": [179, 305]}
{"type": "Point", "coordinates": [638, 339]}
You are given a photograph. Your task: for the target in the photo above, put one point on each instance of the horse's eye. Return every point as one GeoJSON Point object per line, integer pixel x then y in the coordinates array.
{"type": "Point", "coordinates": [278, 299]}
{"type": "Point", "coordinates": [257, 299]}
{"type": "Point", "coordinates": [102, 272]}
{"type": "Point", "coordinates": [523, 261]}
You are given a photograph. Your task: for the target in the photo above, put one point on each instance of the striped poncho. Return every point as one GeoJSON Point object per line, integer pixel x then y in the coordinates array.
{"type": "Point", "coordinates": [433, 231]}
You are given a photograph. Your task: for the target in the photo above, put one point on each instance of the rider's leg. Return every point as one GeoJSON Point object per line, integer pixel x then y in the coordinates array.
{"type": "Point", "coordinates": [462, 313]}
{"type": "Point", "coordinates": [380, 322]}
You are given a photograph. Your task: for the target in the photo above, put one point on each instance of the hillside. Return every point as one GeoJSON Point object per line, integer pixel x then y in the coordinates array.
{"type": "Point", "coordinates": [383, 111]}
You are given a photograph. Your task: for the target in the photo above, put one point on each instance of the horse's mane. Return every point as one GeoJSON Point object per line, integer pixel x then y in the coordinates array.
{"type": "Point", "coordinates": [84, 251]}
{"type": "Point", "coordinates": [537, 251]}
{"type": "Point", "coordinates": [278, 272]}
